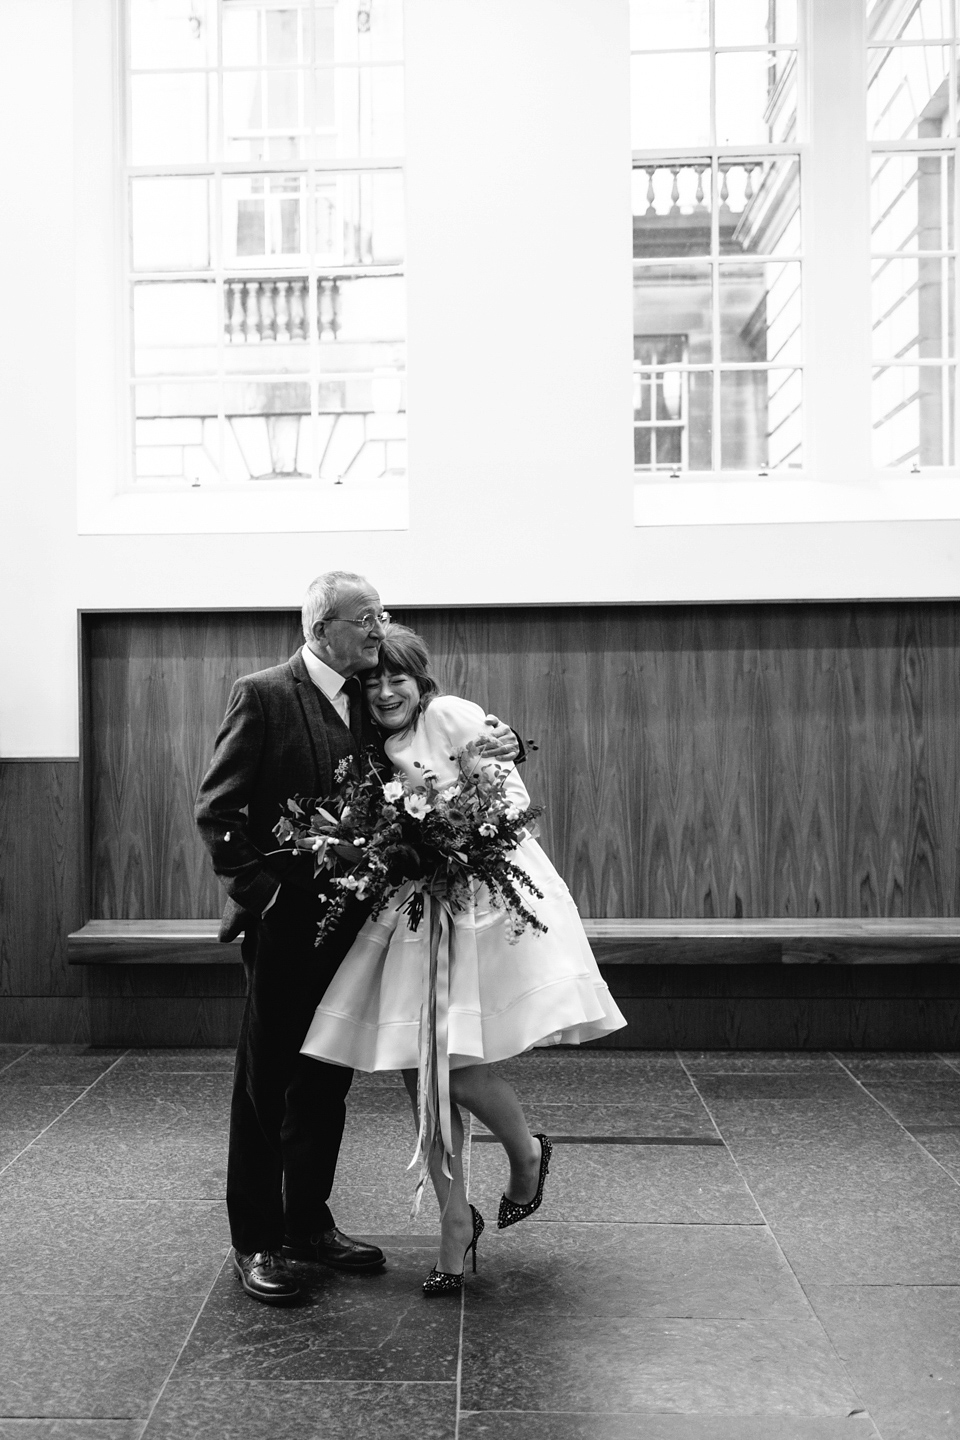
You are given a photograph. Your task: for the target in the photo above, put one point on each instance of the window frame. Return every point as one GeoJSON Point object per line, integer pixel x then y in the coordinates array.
{"type": "Point", "coordinates": [838, 480]}
{"type": "Point", "coordinates": [110, 500]}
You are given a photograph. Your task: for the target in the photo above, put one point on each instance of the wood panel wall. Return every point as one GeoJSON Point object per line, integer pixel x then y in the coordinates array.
{"type": "Point", "coordinates": [41, 997]}
{"type": "Point", "coordinates": [693, 761]}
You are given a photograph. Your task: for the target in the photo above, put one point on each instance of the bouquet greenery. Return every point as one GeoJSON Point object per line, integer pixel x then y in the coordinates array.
{"type": "Point", "coordinates": [374, 835]}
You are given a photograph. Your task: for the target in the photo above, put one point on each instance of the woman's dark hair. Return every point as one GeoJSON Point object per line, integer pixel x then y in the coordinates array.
{"type": "Point", "coordinates": [404, 652]}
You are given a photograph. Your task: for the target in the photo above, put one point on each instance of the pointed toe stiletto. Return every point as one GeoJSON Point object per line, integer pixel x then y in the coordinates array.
{"type": "Point", "coordinates": [510, 1212]}
{"type": "Point", "coordinates": [440, 1282]}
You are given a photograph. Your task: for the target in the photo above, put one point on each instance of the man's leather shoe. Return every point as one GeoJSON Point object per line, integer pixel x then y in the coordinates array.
{"type": "Point", "coordinates": [264, 1276]}
{"type": "Point", "coordinates": [334, 1248]}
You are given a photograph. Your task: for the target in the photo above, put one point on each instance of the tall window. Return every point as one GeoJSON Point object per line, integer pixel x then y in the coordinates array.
{"type": "Point", "coordinates": [264, 188]}
{"type": "Point", "coordinates": [716, 235]}
{"type": "Point", "coordinates": [912, 125]}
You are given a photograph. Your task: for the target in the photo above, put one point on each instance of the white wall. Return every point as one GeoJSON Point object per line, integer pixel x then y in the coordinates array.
{"type": "Point", "coordinates": [521, 487]}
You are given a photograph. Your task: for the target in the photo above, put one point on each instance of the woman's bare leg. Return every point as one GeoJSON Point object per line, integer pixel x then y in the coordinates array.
{"type": "Point", "coordinates": [456, 1221]}
{"type": "Point", "coordinates": [482, 1091]}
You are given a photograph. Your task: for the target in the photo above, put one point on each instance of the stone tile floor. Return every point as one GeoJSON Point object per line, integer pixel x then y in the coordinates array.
{"type": "Point", "coordinates": [731, 1247]}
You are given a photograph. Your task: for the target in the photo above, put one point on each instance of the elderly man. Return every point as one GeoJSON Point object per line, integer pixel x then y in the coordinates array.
{"type": "Point", "coordinates": [285, 731]}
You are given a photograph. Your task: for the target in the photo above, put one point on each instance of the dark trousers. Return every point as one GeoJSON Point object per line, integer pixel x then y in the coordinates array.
{"type": "Point", "coordinates": [287, 1112]}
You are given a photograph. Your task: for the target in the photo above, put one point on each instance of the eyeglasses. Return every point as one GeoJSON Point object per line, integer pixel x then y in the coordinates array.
{"type": "Point", "coordinates": [366, 621]}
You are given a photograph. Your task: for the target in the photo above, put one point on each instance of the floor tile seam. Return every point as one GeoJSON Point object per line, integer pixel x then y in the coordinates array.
{"type": "Point", "coordinates": [886, 1284]}
{"type": "Point", "coordinates": [689, 1142]}
{"type": "Point", "coordinates": [467, 1170]}
{"type": "Point", "coordinates": [56, 1120]}
{"type": "Point", "coordinates": [828, 1339]}
{"type": "Point", "coordinates": [673, 1224]}
{"type": "Point", "coordinates": [16, 1061]}
{"type": "Point", "coordinates": [731, 1416]}
{"type": "Point", "coordinates": [458, 1391]}
{"type": "Point", "coordinates": [200, 1309]}
{"type": "Point", "coordinates": [114, 1296]}
{"type": "Point", "coordinates": [915, 1140]}
{"type": "Point", "coordinates": [263, 1382]}
{"type": "Point", "coordinates": [210, 1202]}
{"type": "Point", "coordinates": [792, 1328]}
{"type": "Point", "coordinates": [645, 1224]}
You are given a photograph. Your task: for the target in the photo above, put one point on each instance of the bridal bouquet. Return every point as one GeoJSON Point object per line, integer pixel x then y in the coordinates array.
{"type": "Point", "coordinates": [375, 835]}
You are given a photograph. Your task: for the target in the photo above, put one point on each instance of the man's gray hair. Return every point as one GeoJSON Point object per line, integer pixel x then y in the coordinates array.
{"type": "Point", "coordinates": [323, 596]}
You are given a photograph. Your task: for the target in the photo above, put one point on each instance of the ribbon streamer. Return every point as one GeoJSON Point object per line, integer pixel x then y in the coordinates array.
{"type": "Point", "coordinates": [433, 1076]}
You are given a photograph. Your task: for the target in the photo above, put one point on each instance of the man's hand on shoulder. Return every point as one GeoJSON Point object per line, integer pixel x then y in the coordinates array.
{"type": "Point", "coordinates": [498, 742]}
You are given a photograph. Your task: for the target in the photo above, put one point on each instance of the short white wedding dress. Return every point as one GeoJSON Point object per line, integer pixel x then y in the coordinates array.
{"type": "Point", "coordinates": [504, 998]}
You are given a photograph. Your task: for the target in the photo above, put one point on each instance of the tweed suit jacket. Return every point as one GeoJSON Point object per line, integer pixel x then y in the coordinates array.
{"type": "Point", "coordinates": [280, 737]}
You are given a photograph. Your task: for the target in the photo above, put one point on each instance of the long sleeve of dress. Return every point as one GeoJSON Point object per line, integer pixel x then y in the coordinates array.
{"type": "Point", "coordinates": [451, 724]}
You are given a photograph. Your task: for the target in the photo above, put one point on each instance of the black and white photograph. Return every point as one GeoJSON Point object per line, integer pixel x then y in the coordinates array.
{"type": "Point", "coordinates": [480, 720]}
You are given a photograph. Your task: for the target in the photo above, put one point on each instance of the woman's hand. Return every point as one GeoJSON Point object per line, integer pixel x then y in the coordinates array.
{"type": "Point", "coordinates": [498, 742]}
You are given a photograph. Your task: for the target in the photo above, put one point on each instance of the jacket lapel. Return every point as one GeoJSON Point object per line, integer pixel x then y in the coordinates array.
{"type": "Point", "coordinates": [317, 714]}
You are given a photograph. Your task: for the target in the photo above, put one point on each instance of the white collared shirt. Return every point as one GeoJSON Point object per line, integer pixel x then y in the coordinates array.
{"type": "Point", "coordinates": [328, 681]}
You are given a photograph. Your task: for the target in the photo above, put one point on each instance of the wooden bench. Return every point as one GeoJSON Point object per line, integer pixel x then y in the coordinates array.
{"type": "Point", "coordinates": [615, 942]}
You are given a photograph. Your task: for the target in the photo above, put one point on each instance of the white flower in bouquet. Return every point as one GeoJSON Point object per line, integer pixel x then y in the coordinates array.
{"type": "Point", "coordinates": [417, 806]}
{"type": "Point", "coordinates": [393, 790]}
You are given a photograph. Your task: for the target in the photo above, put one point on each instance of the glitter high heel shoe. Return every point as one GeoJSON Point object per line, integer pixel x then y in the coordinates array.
{"type": "Point", "coordinates": [510, 1212]}
{"type": "Point", "coordinates": [440, 1282]}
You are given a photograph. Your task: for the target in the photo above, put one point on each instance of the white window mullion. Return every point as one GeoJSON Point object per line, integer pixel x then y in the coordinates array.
{"type": "Point", "coordinates": [836, 244]}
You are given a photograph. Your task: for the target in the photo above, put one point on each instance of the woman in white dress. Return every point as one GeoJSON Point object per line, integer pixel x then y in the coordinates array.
{"type": "Point", "coordinates": [506, 995]}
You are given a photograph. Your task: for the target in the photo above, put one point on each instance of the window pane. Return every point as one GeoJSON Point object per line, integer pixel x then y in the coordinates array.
{"type": "Point", "coordinates": [675, 300]}
{"type": "Point", "coordinates": [756, 22]}
{"type": "Point", "coordinates": [170, 224]}
{"type": "Point", "coordinates": [381, 38]}
{"type": "Point", "coordinates": [282, 35]}
{"type": "Point", "coordinates": [908, 92]}
{"type": "Point", "coordinates": [284, 107]}
{"type": "Point", "coordinates": [914, 415]}
{"type": "Point", "coordinates": [756, 97]}
{"type": "Point", "coordinates": [760, 206]}
{"type": "Point", "coordinates": [359, 218]}
{"type": "Point", "coordinates": [268, 434]}
{"type": "Point", "coordinates": [671, 209]}
{"type": "Point", "coordinates": [175, 328]}
{"type": "Point", "coordinates": [656, 24]}
{"type": "Point", "coordinates": [784, 418]}
{"type": "Point", "coordinates": [172, 119]}
{"type": "Point", "coordinates": [177, 433]}
{"type": "Point", "coordinates": [266, 324]}
{"type": "Point", "coordinates": [760, 312]}
{"type": "Point", "coordinates": [358, 448]}
{"type": "Point", "coordinates": [265, 115]}
{"type": "Point", "coordinates": [673, 410]}
{"type": "Point", "coordinates": [920, 20]}
{"type": "Point", "coordinates": [264, 216]}
{"type": "Point", "coordinates": [657, 120]}
{"type": "Point", "coordinates": [172, 34]}
{"type": "Point", "coordinates": [911, 202]}
{"type": "Point", "coordinates": [368, 311]}
{"type": "Point", "coordinates": [359, 112]}
{"type": "Point", "coordinates": [759, 419]}
{"type": "Point", "coordinates": [913, 308]}
{"type": "Point", "coordinates": [241, 35]}
{"type": "Point", "coordinates": [267, 34]}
